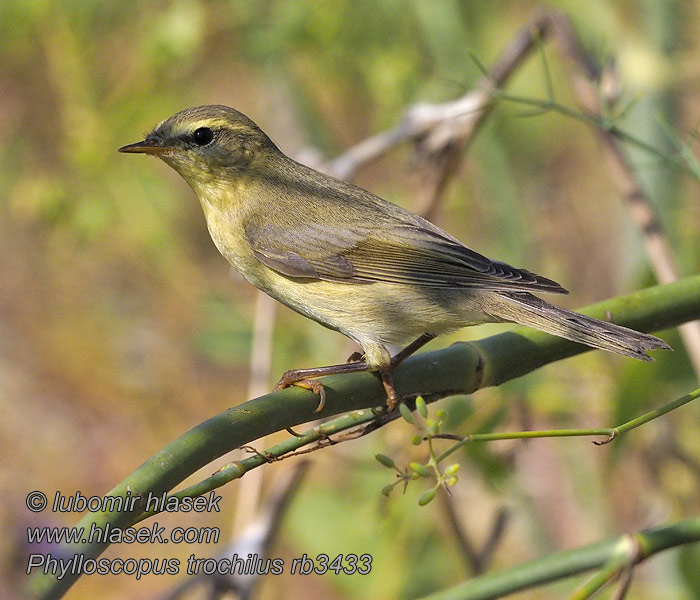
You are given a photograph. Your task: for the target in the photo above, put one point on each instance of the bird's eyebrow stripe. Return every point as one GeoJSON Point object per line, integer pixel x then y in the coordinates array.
{"type": "Point", "coordinates": [187, 128]}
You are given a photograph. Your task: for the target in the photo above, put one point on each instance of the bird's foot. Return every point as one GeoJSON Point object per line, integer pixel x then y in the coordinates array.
{"type": "Point", "coordinates": [291, 378]}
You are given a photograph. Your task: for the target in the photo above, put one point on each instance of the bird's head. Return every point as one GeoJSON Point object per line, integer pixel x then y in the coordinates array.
{"type": "Point", "coordinates": [208, 145]}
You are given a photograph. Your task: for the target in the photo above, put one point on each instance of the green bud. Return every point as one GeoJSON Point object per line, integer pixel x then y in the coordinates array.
{"type": "Point", "coordinates": [416, 440]}
{"type": "Point", "coordinates": [451, 480]}
{"type": "Point", "coordinates": [421, 407]}
{"type": "Point", "coordinates": [386, 490]}
{"type": "Point", "coordinates": [385, 460]}
{"type": "Point", "coordinates": [451, 469]}
{"type": "Point", "coordinates": [420, 469]}
{"type": "Point", "coordinates": [433, 426]}
{"type": "Point", "coordinates": [406, 413]}
{"type": "Point", "coordinates": [426, 497]}
{"type": "Point", "coordinates": [441, 414]}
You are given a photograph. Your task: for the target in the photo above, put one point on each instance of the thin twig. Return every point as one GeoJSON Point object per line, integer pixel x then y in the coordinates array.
{"type": "Point", "coordinates": [477, 561]}
{"type": "Point", "coordinates": [610, 432]}
{"type": "Point", "coordinates": [452, 135]}
{"type": "Point", "coordinates": [624, 584]}
{"type": "Point", "coordinates": [249, 492]}
{"type": "Point", "coordinates": [351, 426]}
{"type": "Point", "coordinates": [642, 211]}
{"type": "Point", "coordinates": [469, 553]}
{"type": "Point", "coordinates": [439, 128]}
{"type": "Point", "coordinates": [498, 529]}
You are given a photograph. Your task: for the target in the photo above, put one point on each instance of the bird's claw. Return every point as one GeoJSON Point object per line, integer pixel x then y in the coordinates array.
{"type": "Point", "coordinates": [308, 384]}
{"type": "Point", "coordinates": [355, 357]}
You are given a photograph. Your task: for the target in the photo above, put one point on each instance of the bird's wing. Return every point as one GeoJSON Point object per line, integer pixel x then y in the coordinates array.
{"type": "Point", "coordinates": [402, 252]}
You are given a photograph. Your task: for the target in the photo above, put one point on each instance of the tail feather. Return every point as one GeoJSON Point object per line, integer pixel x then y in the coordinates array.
{"type": "Point", "coordinates": [532, 311]}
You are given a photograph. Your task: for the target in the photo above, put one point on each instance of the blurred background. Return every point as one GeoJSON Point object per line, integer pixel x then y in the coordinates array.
{"type": "Point", "coordinates": [121, 327]}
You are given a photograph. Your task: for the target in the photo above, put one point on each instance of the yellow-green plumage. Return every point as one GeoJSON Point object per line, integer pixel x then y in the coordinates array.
{"type": "Point", "coordinates": [344, 257]}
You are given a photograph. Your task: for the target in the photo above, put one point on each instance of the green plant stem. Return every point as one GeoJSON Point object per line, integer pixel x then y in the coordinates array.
{"type": "Point", "coordinates": [651, 415]}
{"type": "Point", "coordinates": [610, 432]}
{"type": "Point", "coordinates": [236, 470]}
{"type": "Point", "coordinates": [461, 368]}
{"type": "Point", "coordinates": [571, 562]}
{"type": "Point", "coordinates": [621, 559]}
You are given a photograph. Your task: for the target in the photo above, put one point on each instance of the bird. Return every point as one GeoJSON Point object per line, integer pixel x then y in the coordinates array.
{"type": "Point", "coordinates": [350, 260]}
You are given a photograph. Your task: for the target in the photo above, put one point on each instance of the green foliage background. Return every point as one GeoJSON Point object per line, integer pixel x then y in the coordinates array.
{"type": "Point", "coordinates": [121, 326]}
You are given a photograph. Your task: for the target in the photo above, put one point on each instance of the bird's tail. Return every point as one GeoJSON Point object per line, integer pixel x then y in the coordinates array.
{"type": "Point", "coordinates": [532, 311]}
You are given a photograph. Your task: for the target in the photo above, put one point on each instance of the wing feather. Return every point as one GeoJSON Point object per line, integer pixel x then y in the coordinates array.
{"type": "Point", "coordinates": [405, 254]}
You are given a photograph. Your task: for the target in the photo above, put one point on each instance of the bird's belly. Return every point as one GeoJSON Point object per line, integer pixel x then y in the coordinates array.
{"type": "Point", "coordinates": [373, 314]}
{"type": "Point", "coordinates": [381, 313]}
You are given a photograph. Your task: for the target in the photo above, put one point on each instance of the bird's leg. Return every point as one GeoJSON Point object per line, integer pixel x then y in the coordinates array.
{"type": "Point", "coordinates": [304, 378]}
{"type": "Point", "coordinates": [415, 345]}
{"type": "Point", "coordinates": [392, 398]}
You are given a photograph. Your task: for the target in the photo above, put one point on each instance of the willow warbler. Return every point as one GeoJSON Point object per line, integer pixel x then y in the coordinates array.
{"type": "Point", "coordinates": [347, 259]}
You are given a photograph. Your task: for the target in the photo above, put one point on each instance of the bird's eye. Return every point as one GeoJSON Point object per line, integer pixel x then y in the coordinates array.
{"type": "Point", "coordinates": [203, 136]}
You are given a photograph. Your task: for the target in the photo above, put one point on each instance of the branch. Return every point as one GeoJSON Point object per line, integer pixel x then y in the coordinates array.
{"type": "Point", "coordinates": [461, 368]}
{"type": "Point", "coordinates": [572, 562]}
{"type": "Point", "coordinates": [442, 127]}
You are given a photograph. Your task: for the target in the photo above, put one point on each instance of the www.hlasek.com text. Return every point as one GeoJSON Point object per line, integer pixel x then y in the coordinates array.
{"type": "Point", "coordinates": [108, 534]}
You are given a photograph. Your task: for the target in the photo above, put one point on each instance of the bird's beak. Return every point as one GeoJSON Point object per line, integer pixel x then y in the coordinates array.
{"type": "Point", "coordinates": [147, 146]}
